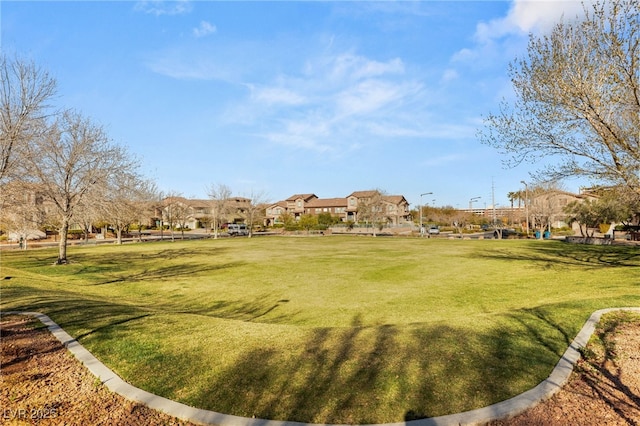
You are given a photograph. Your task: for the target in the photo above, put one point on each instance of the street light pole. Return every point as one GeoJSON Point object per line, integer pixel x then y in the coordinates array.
{"type": "Point", "coordinates": [471, 202]}
{"type": "Point", "coordinates": [421, 226]}
{"type": "Point", "coordinates": [526, 204]}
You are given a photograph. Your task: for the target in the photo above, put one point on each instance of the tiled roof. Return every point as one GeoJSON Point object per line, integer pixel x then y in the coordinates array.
{"type": "Point", "coordinates": [364, 194]}
{"type": "Point", "coordinates": [327, 202]}
{"type": "Point", "coordinates": [305, 197]}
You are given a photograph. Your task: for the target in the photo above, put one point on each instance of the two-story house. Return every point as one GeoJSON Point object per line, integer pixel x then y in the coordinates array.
{"type": "Point", "coordinates": [396, 207]}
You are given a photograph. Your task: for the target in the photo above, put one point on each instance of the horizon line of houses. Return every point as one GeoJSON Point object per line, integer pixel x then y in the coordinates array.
{"type": "Point", "coordinates": [396, 207]}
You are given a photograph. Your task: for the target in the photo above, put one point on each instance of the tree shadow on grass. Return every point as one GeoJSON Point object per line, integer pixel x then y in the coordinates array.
{"type": "Point", "coordinates": [567, 254]}
{"type": "Point", "coordinates": [353, 374]}
{"type": "Point", "coordinates": [169, 272]}
{"type": "Point", "coordinates": [115, 267]}
{"type": "Point", "coordinates": [361, 375]}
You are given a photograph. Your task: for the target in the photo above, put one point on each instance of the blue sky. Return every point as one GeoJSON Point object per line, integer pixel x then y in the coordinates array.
{"type": "Point", "coordinates": [292, 97]}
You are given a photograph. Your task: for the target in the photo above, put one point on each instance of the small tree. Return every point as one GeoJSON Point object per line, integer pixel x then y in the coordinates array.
{"type": "Point", "coordinates": [124, 200]}
{"type": "Point", "coordinates": [326, 219]}
{"type": "Point", "coordinates": [373, 209]}
{"type": "Point", "coordinates": [589, 214]}
{"type": "Point", "coordinates": [544, 205]}
{"type": "Point", "coordinates": [220, 203]}
{"type": "Point", "coordinates": [72, 159]}
{"type": "Point", "coordinates": [255, 210]}
{"type": "Point", "coordinates": [308, 222]}
{"type": "Point", "coordinates": [289, 221]}
{"type": "Point", "coordinates": [171, 211]}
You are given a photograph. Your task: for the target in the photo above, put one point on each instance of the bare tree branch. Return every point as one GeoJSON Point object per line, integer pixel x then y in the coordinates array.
{"type": "Point", "coordinates": [577, 98]}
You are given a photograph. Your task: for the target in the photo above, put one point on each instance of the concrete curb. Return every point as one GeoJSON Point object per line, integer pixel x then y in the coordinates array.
{"type": "Point", "coordinates": [508, 408]}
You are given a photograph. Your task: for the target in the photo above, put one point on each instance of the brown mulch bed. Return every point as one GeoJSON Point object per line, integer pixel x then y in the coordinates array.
{"type": "Point", "coordinates": [41, 383]}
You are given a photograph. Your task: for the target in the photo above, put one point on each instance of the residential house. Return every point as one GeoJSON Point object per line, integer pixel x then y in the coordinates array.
{"type": "Point", "coordinates": [547, 207]}
{"type": "Point", "coordinates": [194, 213]}
{"type": "Point", "coordinates": [396, 207]}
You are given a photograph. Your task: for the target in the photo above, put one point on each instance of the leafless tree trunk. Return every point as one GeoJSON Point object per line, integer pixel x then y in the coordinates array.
{"type": "Point", "coordinates": [173, 210]}
{"type": "Point", "coordinates": [124, 199]}
{"type": "Point", "coordinates": [220, 201]}
{"type": "Point", "coordinates": [255, 209]}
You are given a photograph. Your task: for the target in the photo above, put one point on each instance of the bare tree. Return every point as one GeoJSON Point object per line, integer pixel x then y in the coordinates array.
{"type": "Point", "coordinates": [146, 198]}
{"type": "Point", "coordinates": [124, 199]}
{"type": "Point", "coordinates": [578, 98]}
{"type": "Point", "coordinates": [175, 212]}
{"type": "Point", "coordinates": [181, 213]}
{"type": "Point", "coordinates": [545, 204]}
{"type": "Point", "coordinates": [22, 214]}
{"type": "Point", "coordinates": [25, 93]}
{"type": "Point", "coordinates": [73, 158]}
{"type": "Point", "coordinates": [373, 209]}
{"type": "Point", "coordinates": [220, 195]}
{"type": "Point", "coordinates": [255, 209]}
{"type": "Point", "coordinates": [87, 212]}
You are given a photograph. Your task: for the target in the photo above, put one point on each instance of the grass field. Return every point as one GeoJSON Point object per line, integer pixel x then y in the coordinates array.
{"type": "Point", "coordinates": [327, 329]}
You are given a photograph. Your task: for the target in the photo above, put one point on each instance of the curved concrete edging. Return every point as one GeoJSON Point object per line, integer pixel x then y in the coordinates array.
{"type": "Point", "coordinates": [508, 408]}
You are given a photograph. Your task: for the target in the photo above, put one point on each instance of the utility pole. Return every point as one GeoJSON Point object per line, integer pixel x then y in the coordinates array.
{"type": "Point", "coordinates": [493, 202]}
{"type": "Point", "coordinates": [526, 204]}
{"type": "Point", "coordinates": [421, 225]}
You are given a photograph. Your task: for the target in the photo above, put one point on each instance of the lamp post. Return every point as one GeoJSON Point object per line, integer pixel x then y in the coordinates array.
{"type": "Point", "coordinates": [526, 204]}
{"type": "Point", "coordinates": [421, 226]}
{"type": "Point", "coordinates": [471, 202]}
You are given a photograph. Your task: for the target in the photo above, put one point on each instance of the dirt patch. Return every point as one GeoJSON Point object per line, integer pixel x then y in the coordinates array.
{"type": "Point", "coordinates": [603, 390]}
{"type": "Point", "coordinates": [41, 383]}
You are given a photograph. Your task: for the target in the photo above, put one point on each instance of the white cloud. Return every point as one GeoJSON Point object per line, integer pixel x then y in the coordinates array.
{"type": "Point", "coordinates": [306, 134]}
{"type": "Point", "coordinates": [371, 95]}
{"type": "Point", "coordinates": [526, 16]}
{"type": "Point", "coordinates": [186, 62]}
{"type": "Point", "coordinates": [160, 7]}
{"type": "Point", "coordinates": [275, 95]}
{"type": "Point", "coordinates": [503, 38]}
{"type": "Point", "coordinates": [449, 75]}
{"type": "Point", "coordinates": [204, 29]}
{"type": "Point", "coordinates": [350, 67]}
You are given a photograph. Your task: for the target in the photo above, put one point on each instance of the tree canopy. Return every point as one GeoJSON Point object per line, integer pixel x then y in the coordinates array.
{"type": "Point", "coordinates": [577, 98]}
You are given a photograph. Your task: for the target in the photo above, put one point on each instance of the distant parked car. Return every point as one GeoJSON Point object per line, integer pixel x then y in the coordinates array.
{"type": "Point", "coordinates": [505, 233]}
{"type": "Point", "coordinates": [237, 229]}
{"type": "Point", "coordinates": [434, 230]}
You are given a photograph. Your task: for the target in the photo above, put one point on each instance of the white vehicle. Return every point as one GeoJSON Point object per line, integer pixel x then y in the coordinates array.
{"type": "Point", "coordinates": [237, 229]}
{"type": "Point", "coordinates": [434, 230]}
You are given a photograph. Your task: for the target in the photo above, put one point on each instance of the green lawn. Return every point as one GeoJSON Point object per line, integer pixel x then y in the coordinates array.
{"type": "Point", "coordinates": [327, 329]}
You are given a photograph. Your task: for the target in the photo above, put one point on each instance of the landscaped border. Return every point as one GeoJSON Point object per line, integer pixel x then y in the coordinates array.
{"type": "Point", "coordinates": [508, 408]}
